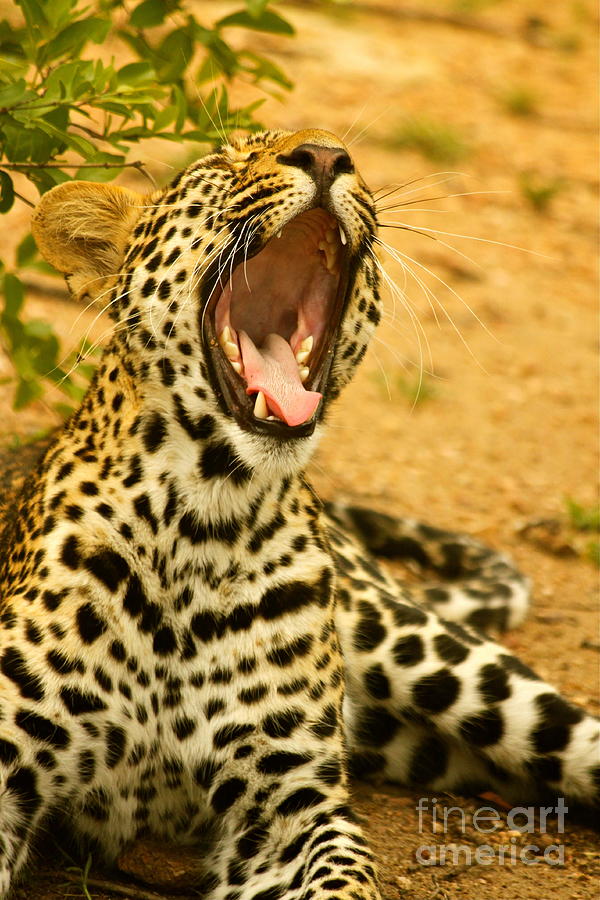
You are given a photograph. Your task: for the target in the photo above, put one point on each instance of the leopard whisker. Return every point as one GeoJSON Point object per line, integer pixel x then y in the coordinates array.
{"type": "Point", "coordinates": [354, 121]}
{"type": "Point", "coordinates": [396, 254]}
{"type": "Point", "coordinates": [418, 328]}
{"type": "Point", "coordinates": [357, 137]}
{"type": "Point", "coordinates": [401, 205]}
{"type": "Point", "coordinates": [469, 237]}
{"type": "Point", "coordinates": [423, 185]}
{"type": "Point", "coordinates": [439, 240]}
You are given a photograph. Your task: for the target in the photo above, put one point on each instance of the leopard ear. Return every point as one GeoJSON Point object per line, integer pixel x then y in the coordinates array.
{"type": "Point", "coordinates": [83, 230]}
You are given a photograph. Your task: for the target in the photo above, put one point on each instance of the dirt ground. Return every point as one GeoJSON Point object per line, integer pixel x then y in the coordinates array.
{"type": "Point", "coordinates": [504, 342]}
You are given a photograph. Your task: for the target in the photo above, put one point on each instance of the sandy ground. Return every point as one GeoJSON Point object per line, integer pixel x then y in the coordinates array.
{"type": "Point", "coordinates": [504, 342]}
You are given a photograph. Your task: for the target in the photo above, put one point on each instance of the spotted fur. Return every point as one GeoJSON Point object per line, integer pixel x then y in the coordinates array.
{"type": "Point", "coordinates": [191, 646]}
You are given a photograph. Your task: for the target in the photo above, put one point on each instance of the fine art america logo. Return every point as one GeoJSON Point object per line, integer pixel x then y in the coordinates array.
{"type": "Point", "coordinates": [520, 822]}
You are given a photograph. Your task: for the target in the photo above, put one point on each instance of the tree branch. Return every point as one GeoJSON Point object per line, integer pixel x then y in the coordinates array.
{"type": "Point", "coordinates": [24, 199]}
{"type": "Point", "coordinates": [18, 167]}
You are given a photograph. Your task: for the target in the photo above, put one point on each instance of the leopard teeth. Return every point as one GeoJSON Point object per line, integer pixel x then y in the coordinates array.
{"type": "Point", "coordinates": [330, 256]}
{"type": "Point", "coordinates": [232, 351]}
{"type": "Point", "coordinates": [304, 350]}
{"type": "Point", "coordinates": [343, 238]}
{"type": "Point", "coordinates": [304, 372]}
{"type": "Point", "coordinates": [226, 336]}
{"type": "Point", "coordinates": [261, 410]}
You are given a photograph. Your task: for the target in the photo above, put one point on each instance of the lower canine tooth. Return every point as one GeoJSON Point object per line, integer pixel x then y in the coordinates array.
{"type": "Point", "coordinates": [260, 406]}
{"type": "Point", "coordinates": [343, 236]}
{"type": "Point", "coordinates": [302, 355]}
{"type": "Point", "coordinates": [231, 350]}
{"type": "Point", "coordinates": [236, 366]}
{"type": "Point", "coordinates": [304, 373]}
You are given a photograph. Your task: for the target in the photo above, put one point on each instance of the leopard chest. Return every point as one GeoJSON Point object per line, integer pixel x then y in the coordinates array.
{"type": "Point", "coordinates": [211, 690]}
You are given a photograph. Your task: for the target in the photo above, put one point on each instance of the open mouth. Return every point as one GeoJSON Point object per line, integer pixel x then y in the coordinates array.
{"type": "Point", "coordinates": [271, 328]}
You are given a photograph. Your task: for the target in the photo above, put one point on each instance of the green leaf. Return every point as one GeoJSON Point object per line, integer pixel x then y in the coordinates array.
{"type": "Point", "coordinates": [44, 179]}
{"type": "Point", "coordinates": [136, 73]}
{"type": "Point", "coordinates": [15, 93]}
{"type": "Point", "coordinates": [148, 14]}
{"type": "Point", "coordinates": [23, 143]}
{"type": "Point", "coordinates": [221, 54]}
{"type": "Point", "coordinates": [256, 7]}
{"type": "Point", "coordinates": [263, 69]}
{"type": "Point", "coordinates": [174, 54]}
{"type": "Point", "coordinates": [58, 12]}
{"type": "Point", "coordinates": [14, 295]}
{"type": "Point", "coordinates": [7, 192]}
{"type": "Point", "coordinates": [38, 329]}
{"type": "Point", "coordinates": [64, 409]}
{"type": "Point", "coordinates": [68, 79]}
{"type": "Point", "coordinates": [102, 173]}
{"type": "Point", "coordinates": [182, 107]}
{"type": "Point", "coordinates": [26, 251]}
{"type": "Point", "coordinates": [72, 38]}
{"type": "Point", "coordinates": [119, 109]}
{"type": "Point", "coordinates": [267, 20]}
{"type": "Point", "coordinates": [74, 391]}
{"type": "Point", "coordinates": [164, 118]}
{"type": "Point", "coordinates": [67, 138]}
{"type": "Point", "coordinates": [26, 393]}
{"type": "Point", "coordinates": [11, 41]}
{"type": "Point", "coordinates": [35, 16]}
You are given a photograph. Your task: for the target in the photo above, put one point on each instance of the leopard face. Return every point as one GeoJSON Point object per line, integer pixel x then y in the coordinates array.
{"type": "Point", "coordinates": [254, 268]}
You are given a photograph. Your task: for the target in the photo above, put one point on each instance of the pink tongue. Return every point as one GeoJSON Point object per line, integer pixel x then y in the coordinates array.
{"type": "Point", "coordinates": [274, 371]}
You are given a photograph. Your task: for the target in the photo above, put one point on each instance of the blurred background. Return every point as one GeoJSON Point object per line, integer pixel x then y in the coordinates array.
{"type": "Point", "coordinates": [475, 122]}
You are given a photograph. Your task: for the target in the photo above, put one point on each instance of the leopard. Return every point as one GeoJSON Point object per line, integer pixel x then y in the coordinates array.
{"type": "Point", "coordinates": [193, 646]}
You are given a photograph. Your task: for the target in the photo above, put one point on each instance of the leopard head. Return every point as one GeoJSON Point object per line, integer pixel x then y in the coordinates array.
{"type": "Point", "coordinates": [256, 264]}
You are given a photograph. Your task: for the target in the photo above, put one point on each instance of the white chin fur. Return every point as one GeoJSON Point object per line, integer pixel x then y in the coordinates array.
{"type": "Point", "coordinates": [269, 457]}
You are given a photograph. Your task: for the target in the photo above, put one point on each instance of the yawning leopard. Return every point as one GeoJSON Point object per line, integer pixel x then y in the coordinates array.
{"type": "Point", "coordinates": [191, 645]}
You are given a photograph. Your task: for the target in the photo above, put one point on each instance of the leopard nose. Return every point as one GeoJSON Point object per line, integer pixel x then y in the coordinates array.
{"type": "Point", "coordinates": [323, 164]}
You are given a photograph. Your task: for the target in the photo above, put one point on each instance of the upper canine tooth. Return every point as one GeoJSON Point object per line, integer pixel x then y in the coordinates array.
{"type": "Point", "coordinates": [302, 355]}
{"type": "Point", "coordinates": [342, 236]}
{"type": "Point", "coordinates": [279, 233]}
{"type": "Point", "coordinates": [307, 343]}
{"type": "Point", "coordinates": [261, 410]}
